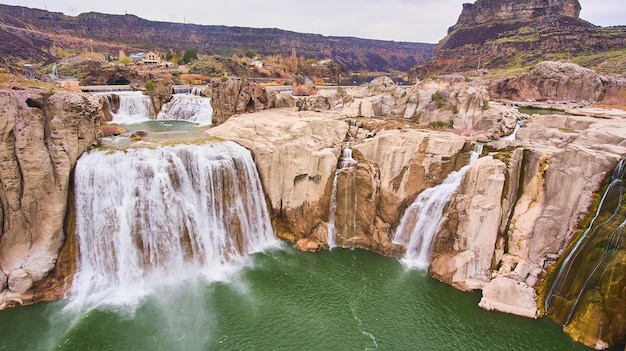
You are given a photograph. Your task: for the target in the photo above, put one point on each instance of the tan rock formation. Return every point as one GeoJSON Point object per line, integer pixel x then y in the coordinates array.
{"type": "Point", "coordinates": [41, 137]}
{"type": "Point", "coordinates": [554, 81]}
{"type": "Point", "coordinates": [296, 155]}
{"type": "Point", "coordinates": [522, 217]}
{"type": "Point", "coordinates": [478, 212]}
{"type": "Point", "coordinates": [236, 96]}
{"type": "Point", "coordinates": [449, 101]}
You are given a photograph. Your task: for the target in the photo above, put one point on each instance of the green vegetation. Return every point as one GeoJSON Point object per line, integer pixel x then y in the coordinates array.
{"type": "Point", "coordinates": [437, 98]}
{"type": "Point", "coordinates": [485, 106]}
{"type": "Point", "coordinates": [249, 54]}
{"type": "Point", "coordinates": [189, 56]}
{"type": "Point", "coordinates": [611, 62]}
{"type": "Point", "coordinates": [224, 79]}
{"type": "Point", "coordinates": [440, 124]}
{"type": "Point", "coordinates": [455, 110]}
{"type": "Point", "coordinates": [150, 85]}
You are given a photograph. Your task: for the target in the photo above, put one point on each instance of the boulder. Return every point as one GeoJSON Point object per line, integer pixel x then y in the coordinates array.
{"type": "Point", "coordinates": [235, 96]}
{"type": "Point", "coordinates": [111, 130]}
{"type": "Point", "coordinates": [555, 81]}
{"type": "Point", "coordinates": [509, 296]}
{"type": "Point", "coordinates": [309, 245]}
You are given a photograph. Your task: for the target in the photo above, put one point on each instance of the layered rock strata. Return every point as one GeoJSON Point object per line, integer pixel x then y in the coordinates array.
{"type": "Point", "coordinates": [42, 136]}
{"type": "Point", "coordinates": [501, 34]}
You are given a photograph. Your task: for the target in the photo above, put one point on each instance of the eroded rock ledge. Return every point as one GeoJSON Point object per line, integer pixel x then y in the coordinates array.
{"type": "Point", "coordinates": [42, 134]}
{"type": "Point", "coordinates": [515, 212]}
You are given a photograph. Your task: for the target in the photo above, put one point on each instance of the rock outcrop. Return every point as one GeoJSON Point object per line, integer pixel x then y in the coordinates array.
{"type": "Point", "coordinates": [42, 136]}
{"type": "Point", "coordinates": [554, 81]}
{"type": "Point", "coordinates": [450, 102]}
{"type": "Point", "coordinates": [483, 11]}
{"type": "Point", "coordinates": [235, 96]}
{"type": "Point", "coordinates": [511, 34]}
{"type": "Point", "coordinates": [513, 217]}
{"type": "Point", "coordinates": [297, 154]}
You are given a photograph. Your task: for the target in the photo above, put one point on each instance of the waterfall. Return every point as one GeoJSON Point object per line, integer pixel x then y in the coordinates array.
{"type": "Point", "coordinates": [513, 135]}
{"type": "Point", "coordinates": [584, 268]}
{"type": "Point", "coordinates": [346, 163]}
{"type": "Point", "coordinates": [188, 107]}
{"type": "Point", "coordinates": [134, 107]}
{"type": "Point", "coordinates": [422, 219]}
{"type": "Point", "coordinates": [147, 218]}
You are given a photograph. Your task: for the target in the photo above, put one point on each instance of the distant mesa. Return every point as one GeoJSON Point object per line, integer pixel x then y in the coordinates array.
{"type": "Point", "coordinates": [495, 34]}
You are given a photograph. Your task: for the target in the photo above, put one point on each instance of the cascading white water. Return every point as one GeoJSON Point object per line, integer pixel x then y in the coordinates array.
{"type": "Point", "coordinates": [188, 107]}
{"type": "Point", "coordinates": [513, 135]}
{"type": "Point", "coordinates": [346, 162]}
{"type": "Point", "coordinates": [135, 107]}
{"type": "Point", "coordinates": [153, 217]}
{"type": "Point", "coordinates": [421, 220]}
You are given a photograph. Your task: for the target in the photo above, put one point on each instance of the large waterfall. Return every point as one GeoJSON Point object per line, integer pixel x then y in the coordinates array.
{"type": "Point", "coordinates": [188, 107]}
{"type": "Point", "coordinates": [134, 107]}
{"type": "Point", "coordinates": [149, 217]}
{"type": "Point", "coordinates": [421, 220]}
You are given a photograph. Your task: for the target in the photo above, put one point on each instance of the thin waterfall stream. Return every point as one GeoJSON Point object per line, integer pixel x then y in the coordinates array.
{"type": "Point", "coordinates": [593, 260]}
{"type": "Point", "coordinates": [346, 163]}
{"type": "Point", "coordinates": [423, 218]}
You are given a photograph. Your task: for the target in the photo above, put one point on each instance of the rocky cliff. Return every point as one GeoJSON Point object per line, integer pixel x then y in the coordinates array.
{"type": "Point", "coordinates": [511, 34]}
{"type": "Point", "coordinates": [102, 31]}
{"type": "Point", "coordinates": [508, 222]}
{"type": "Point", "coordinates": [42, 136]}
{"type": "Point", "coordinates": [510, 219]}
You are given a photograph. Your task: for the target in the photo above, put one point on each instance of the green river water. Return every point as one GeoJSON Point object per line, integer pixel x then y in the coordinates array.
{"type": "Point", "coordinates": [288, 300]}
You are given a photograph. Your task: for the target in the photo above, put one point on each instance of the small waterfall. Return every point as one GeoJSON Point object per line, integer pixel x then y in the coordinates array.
{"type": "Point", "coordinates": [513, 135]}
{"type": "Point", "coordinates": [421, 220]}
{"type": "Point", "coordinates": [584, 269]}
{"type": "Point", "coordinates": [188, 107]}
{"type": "Point", "coordinates": [135, 107]}
{"type": "Point", "coordinates": [346, 163]}
{"type": "Point", "coordinates": [147, 218]}
{"type": "Point", "coordinates": [187, 89]}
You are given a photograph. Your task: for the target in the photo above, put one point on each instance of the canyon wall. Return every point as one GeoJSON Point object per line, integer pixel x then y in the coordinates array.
{"type": "Point", "coordinates": [514, 214]}
{"type": "Point", "coordinates": [517, 209]}
{"type": "Point", "coordinates": [492, 34]}
{"type": "Point", "coordinates": [42, 136]}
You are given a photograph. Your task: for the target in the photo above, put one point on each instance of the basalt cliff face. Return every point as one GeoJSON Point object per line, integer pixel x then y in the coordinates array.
{"type": "Point", "coordinates": [112, 32]}
{"type": "Point", "coordinates": [42, 136]}
{"type": "Point", "coordinates": [510, 34]}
